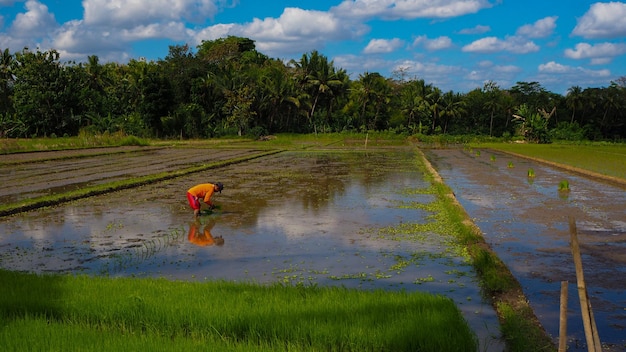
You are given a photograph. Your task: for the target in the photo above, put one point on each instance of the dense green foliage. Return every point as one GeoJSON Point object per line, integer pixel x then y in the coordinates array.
{"type": "Point", "coordinates": [72, 313]}
{"type": "Point", "coordinates": [227, 87]}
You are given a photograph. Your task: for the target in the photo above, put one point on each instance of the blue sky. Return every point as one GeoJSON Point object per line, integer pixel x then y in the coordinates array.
{"type": "Point", "coordinates": [454, 44]}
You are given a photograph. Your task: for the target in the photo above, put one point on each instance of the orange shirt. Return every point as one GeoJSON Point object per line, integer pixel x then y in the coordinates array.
{"type": "Point", "coordinates": [203, 191]}
{"type": "Point", "coordinates": [200, 239]}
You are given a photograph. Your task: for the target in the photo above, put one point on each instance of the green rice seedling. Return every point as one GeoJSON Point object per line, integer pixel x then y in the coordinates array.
{"type": "Point", "coordinates": [496, 279]}
{"type": "Point", "coordinates": [601, 158]}
{"type": "Point", "coordinates": [510, 165]}
{"type": "Point", "coordinates": [492, 158]}
{"type": "Point", "coordinates": [531, 173]}
{"type": "Point", "coordinates": [564, 186]}
{"type": "Point", "coordinates": [110, 314]}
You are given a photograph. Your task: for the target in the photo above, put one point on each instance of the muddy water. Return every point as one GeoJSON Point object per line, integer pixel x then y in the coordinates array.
{"type": "Point", "coordinates": [293, 218]}
{"type": "Point", "coordinates": [526, 221]}
{"type": "Point", "coordinates": [30, 174]}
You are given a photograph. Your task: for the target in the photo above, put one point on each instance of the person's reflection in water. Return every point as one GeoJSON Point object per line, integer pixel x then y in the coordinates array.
{"type": "Point", "coordinates": [204, 237]}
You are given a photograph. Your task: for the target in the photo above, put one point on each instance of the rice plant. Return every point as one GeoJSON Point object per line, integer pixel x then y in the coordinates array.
{"type": "Point", "coordinates": [111, 314]}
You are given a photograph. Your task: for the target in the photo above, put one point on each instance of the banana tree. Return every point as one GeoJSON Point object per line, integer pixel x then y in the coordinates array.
{"type": "Point", "coordinates": [533, 125]}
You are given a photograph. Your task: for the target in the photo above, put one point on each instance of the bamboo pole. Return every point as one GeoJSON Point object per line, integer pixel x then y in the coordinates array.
{"type": "Point", "coordinates": [563, 318]}
{"type": "Point", "coordinates": [591, 333]}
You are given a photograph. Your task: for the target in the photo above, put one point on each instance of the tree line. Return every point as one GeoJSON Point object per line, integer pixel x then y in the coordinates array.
{"type": "Point", "coordinates": [227, 87]}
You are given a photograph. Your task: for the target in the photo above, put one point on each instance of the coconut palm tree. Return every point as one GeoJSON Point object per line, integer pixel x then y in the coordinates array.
{"type": "Point", "coordinates": [574, 100]}
{"type": "Point", "coordinates": [452, 107]}
{"type": "Point", "coordinates": [434, 104]}
{"type": "Point", "coordinates": [6, 78]}
{"type": "Point", "coordinates": [413, 102]}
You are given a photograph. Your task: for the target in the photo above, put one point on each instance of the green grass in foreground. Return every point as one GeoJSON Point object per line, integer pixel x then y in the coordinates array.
{"type": "Point", "coordinates": [600, 158]}
{"type": "Point", "coordinates": [69, 313]}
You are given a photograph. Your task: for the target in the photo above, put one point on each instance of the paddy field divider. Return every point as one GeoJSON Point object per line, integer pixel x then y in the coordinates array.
{"type": "Point", "coordinates": [43, 201]}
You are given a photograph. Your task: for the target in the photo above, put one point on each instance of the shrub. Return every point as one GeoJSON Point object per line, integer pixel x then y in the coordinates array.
{"type": "Point", "coordinates": [567, 131]}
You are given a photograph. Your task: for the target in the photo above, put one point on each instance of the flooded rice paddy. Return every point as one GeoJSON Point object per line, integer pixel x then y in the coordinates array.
{"type": "Point", "coordinates": [311, 218]}
{"type": "Point", "coordinates": [526, 222]}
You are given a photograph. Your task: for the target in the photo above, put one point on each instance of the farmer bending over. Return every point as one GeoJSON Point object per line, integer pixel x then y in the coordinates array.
{"type": "Point", "coordinates": [202, 192]}
{"type": "Point", "coordinates": [204, 238]}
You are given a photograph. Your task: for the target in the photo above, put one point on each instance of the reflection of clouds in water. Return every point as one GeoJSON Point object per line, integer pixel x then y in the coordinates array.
{"type": "Point", "coordinates": [300, 222]}
{"type": "Point", "coordinates": [72, 236]}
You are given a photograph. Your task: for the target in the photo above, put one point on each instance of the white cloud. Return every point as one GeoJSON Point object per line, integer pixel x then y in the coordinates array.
{"type": "Point", "coordinates": [172, 30]}
{"type": "Point", "coordinates": [540, 29]}
{"type": "Point", "coordinates": [479, 29]}
{"type": "Point", "coordinates": [361, 63]}
{"type": "Point", "coordinates": [513, 44]}
{"type": "Point", "coordinates": [603, 20]}
{"type": "Point", "coordinates": [379, 46]}
{"type": "Point", "coordinates": [486, 71]}
{"type": "Point", "coordinates": [439, 43]}
{"type": "Point", "coordinates": [553, 67]}
{"type": "Point", "coordinates": [131, 13]}
{"type": "Point", "coordinates": [35, 22]}
{"type": "Point", "coordinates": [216, 31]}
{"type": "Point", "coordinates": [297, 23]}
{"type": "Point", "coordinates": [595, 51]}
{"type": "Point", "coordinates": [408, 9]}
{"type": "Point", "coordinates": [6, 2]}
{"type": "Point", "coordinates": [443, 76]}
{"type": "Point", "coordinates": [601, 60]}
{"type": "Point", "coordinates": [295, 31]}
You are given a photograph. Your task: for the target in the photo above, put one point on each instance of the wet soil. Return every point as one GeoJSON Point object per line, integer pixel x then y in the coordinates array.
{"type": "Point", "coordinates": [312, 218]}
{"type": "Point", "coordinates": [45, 173]}
{"type": "Point", "coordinates": [315, 218]}
{"type": "Point", "coordinates": [526, 222]}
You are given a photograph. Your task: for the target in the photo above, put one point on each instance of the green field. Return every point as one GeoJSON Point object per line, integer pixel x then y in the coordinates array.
{"type": "Point", "coordinates": [59, 312]}
{"type": "Point", "coordinates": [79, 313]}
{"type": "Point", "coordinates": [603, 159]}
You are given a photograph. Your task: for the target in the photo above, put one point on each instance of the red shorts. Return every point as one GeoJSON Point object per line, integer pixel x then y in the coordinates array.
{"type": "Point", "coordinates": [193, 202]}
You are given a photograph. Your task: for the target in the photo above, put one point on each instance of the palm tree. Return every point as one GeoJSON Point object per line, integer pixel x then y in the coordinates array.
{"type": "Point", "coordinates": [611, 102]}
{"type": "Point", "coordinates": [492, 92]}
{"type": "Point", "coordinates": [277, 93]}
{"type": "Point", "coordinates": [413, 101]}
{"type": "Point", "coordinates": [574, 100]}
{"type": "Point", "coordinates": [434, 104]}
{"type": "Point", "coordinates": [317, 77]}
{"type": "Point", "coordinates": [452, 107]}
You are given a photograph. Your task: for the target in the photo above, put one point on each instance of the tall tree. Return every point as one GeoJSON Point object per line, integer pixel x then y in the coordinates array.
{"type": "Point", "coordinates": [319, 79]}
{"type": "Point", "coordinates": [492, 93]}
{"type": "Point", "coordinates": [453, 107]}
{"type": "Point", "coordinates": [44, 94]}
{"type": "Point", "coordinates": [434, 104]}
{"type": "Point", "coordinates": [413, 103]}
{"type": "Point", "coordinates": [6, 81]}
{"type": "Point", "coordinates": [278, 94]}
{"type": "Point", "coordinates": [574, 100]}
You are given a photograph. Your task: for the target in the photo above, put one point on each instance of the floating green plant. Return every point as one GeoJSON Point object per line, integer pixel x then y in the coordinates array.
{"type": "Point", "coordinates": [492, 158]}
{"type": "Point", "coordinates": [564, 186]}
{"type": "Point", "coordinates": [510, 165]}
{"type": "Point", "coordinates": [531, 172]}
